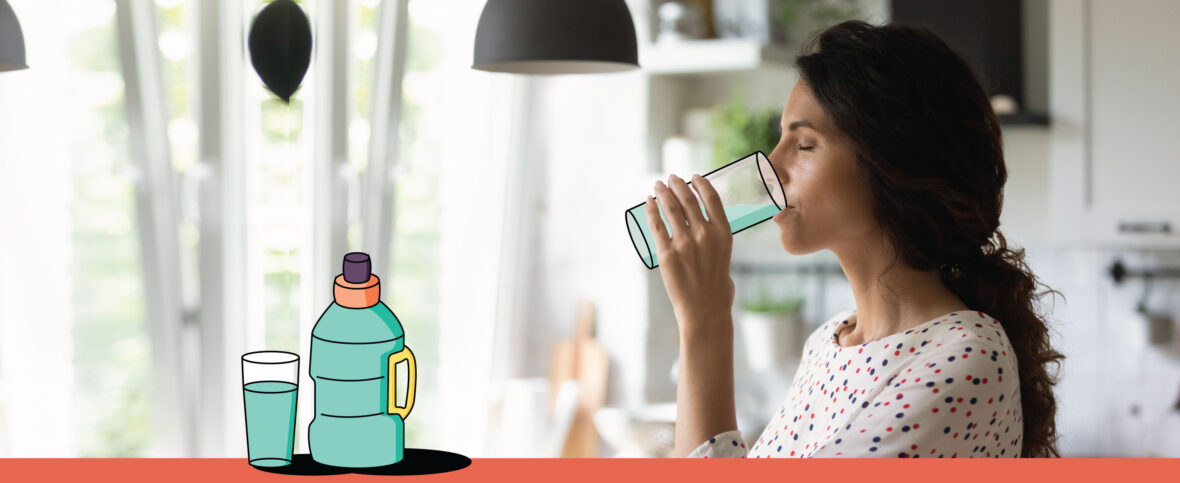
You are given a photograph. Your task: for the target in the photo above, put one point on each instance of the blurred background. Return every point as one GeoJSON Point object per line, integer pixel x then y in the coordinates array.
{"type": "Point", "coordinates": [163, 214]}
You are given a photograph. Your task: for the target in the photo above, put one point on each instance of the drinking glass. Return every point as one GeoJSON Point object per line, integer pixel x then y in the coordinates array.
{"type": "Point", "coordinates": [270, 385]}
{"type": "Point", "coordinates": [750, 191]}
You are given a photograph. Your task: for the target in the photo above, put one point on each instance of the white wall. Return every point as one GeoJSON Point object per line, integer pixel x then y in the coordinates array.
{"type": "Point", "coordinates": [1110, 369]}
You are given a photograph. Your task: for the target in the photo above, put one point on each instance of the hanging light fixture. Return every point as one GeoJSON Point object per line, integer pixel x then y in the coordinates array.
{"type": "Point", "coordinates": [12, 41]}
{"type": "Point", "coordinates": [555, 37]}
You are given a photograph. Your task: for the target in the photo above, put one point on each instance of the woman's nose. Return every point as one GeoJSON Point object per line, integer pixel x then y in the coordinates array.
{"type": "Point", "coordinates": [780, 168]}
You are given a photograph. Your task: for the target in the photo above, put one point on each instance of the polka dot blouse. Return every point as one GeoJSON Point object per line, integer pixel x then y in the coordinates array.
{"type": "Point", "coordinates": [945, 389]}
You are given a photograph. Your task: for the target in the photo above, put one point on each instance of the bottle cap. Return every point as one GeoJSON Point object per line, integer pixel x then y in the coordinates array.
{"type": "Point", "coordinates": [357, 267]}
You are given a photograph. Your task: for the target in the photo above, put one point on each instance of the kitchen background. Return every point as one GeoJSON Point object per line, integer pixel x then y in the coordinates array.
{"type": "Point", "coordinates": [164, 214]}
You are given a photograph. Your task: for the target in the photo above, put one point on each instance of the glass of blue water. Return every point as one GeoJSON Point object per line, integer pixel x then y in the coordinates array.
{"type": "Point", "coordinates": [270, 385]}
{"type": "Point", "coordinates": [750, 190]}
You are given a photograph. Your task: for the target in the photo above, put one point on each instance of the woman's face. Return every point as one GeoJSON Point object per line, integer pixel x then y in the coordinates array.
{"type": "Point", "coordinates": [828, 205]}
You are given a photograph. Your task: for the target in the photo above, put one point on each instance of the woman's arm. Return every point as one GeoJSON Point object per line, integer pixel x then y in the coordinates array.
{"type": "Point", "coordinates": [694, 265]}
{"type": "Point", "coordinates": [704, 389]}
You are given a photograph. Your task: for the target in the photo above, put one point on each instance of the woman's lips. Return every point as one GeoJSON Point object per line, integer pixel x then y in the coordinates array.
{"type": "Point", "coordinates": [782, 213]}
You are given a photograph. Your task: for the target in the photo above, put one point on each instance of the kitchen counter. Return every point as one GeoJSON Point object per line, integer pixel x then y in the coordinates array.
{"type": "Point", "coordinates": [224, 470]}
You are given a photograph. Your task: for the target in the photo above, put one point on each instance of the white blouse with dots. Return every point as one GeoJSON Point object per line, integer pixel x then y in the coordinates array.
{"type": "Point", "coordinates": [944, 389]}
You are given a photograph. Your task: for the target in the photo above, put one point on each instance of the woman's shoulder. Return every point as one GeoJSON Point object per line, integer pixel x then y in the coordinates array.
{"type": "Point", "coordinates": [965, 331]}
{"type": "Point", "coordinates": [968, 344]}
{"type": "Point", "coordinates": [965, 338]}
{"type": "Point", "coordinates": [962, 329]}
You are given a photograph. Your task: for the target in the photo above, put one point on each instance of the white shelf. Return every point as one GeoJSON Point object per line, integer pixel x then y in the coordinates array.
{"type": "Point", "coordinates": [712, 55]}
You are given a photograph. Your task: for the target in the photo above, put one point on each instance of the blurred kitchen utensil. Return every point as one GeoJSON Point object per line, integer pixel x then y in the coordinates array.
{"type": "Point", "coordinates": [647, 432]}
{"type": "Point", "coordinates": [1159, 323]}
{"type": "Point", "coordinates": [1176, 405]}
{"type": "Point", "coordinates": [1160, 326]}
{"type": "Point", "coordinates": [564, 408]}
{"type": "Point", "coordinates": [523, 425]}
{"type": "Point", "coordinates": [584, 360]}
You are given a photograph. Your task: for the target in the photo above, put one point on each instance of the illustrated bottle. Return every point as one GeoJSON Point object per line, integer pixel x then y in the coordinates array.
{"type": "Point", "coordinates": [358, 358]}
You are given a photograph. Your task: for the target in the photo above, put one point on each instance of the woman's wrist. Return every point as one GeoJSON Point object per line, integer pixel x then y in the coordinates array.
{"type": "Point", "coordinates": [706, 352]}
{"type": "Point", "coordinates": [707, 330]}
{"type": "Point", "coordinates": [704, 392]}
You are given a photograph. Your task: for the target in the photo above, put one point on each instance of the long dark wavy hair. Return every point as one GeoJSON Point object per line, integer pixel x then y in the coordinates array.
{"type": "Point", "coordinates": [929, 146]}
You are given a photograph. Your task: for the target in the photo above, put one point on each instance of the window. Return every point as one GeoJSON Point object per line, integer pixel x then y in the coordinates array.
{"type": "Point", "coordinates": [84, 369]}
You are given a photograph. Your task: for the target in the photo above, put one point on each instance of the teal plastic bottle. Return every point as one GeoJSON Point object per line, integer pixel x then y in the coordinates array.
{"type": "Point", "coordinates": [356, 346]}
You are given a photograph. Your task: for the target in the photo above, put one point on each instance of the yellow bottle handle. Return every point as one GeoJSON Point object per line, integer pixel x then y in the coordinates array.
{"type": "Point", "coordinates": [404, 355]}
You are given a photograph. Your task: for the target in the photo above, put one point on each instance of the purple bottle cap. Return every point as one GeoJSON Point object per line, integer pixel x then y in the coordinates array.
{"type": "Point", "coordinates": [357, 267]}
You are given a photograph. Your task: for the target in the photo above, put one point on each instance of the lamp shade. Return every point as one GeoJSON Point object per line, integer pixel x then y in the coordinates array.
{"type": "Point", "coordinates": [555, 37]}
{"type": "Point", "coordinates": [12, 41]}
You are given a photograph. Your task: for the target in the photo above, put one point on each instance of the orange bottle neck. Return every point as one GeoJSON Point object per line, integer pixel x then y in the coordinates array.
{"type": "Point", "coordinates": [357, 295]}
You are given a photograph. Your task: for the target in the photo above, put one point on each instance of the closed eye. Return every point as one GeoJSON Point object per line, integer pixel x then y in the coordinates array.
{"type": "Point", "coordinates": [806, 148]}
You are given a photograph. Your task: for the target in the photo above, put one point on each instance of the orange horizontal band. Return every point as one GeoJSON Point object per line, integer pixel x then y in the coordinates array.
{"type": "Point", "coordinates": [596, 470]}
{"type": "Point", "coordinates": [357, 295]}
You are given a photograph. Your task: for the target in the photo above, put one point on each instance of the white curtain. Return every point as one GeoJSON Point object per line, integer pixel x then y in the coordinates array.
{"type": "Point", "coordinates": [38, 412]}
{"type": "Point", "coordinates": [481, 220]}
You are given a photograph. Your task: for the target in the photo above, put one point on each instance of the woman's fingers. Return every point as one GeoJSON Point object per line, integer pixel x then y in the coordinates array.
{"type": "Point", "coordinates": [658, 230]}
{"type": "Point", "coordinates": [688, 201]}
{"type": "Point", "coordinates": [713, 205]}
{"type": "Point", "coordinates": [672, 209]}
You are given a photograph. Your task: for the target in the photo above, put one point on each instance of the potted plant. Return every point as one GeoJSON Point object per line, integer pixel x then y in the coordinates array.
{"type": "Point", "coordinates": [738, 130]}
{"type": "Point", "coordinates": [772, 330]}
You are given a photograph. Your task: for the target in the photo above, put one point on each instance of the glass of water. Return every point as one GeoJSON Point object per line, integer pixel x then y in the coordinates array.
{"type": "Point", "coordinates": [750, 191]}
{"type": "Point", "coordinates": [270, 385]}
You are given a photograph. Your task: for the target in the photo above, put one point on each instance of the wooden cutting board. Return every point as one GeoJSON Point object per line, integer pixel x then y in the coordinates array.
{"type": "Point", "coordinates": [584, 360]}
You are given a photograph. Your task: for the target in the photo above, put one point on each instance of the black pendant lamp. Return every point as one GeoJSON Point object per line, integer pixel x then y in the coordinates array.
{"type": "Point", "coordinates": [12, 41]}
{"type": "Point", "coordinates": [555, 37]}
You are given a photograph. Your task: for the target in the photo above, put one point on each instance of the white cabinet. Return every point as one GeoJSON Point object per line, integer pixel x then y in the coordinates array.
{"type": "Point", "coordinates": [1115, 108]}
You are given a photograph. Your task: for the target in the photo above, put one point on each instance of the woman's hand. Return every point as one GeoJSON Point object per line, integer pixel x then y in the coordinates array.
{"type": "Point", "coordinates": [694, 259]}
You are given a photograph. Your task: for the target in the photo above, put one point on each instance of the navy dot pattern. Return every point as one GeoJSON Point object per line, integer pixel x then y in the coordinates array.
{"type": "Point", "coordinates": [949, 390]}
